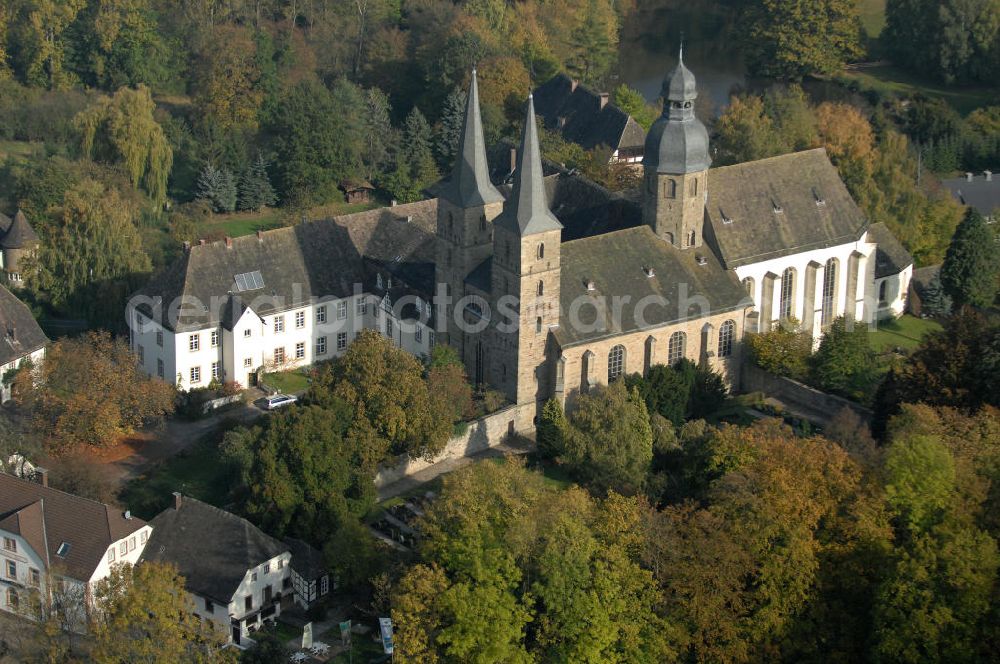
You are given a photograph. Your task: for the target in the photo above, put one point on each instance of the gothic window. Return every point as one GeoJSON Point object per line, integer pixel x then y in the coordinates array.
{"type": "Point", "coordinates": [829, 291]}
{"type": "Point", "coordinates": [787, 307]}
{"type": "Point", "coordinates": [541, 288]}
{"type": "Point", "coordinates": [882, 292]}
{"type": "Point", "coordinates": [676, 348]}
{"type": "Point", "coordinates": [691, 238]}
{"type": "Point", "coordinates": [541, 250]}
{"type": "Point", "coordinates": [538, 325]}
{"type": "Point", "coordinates": [694, 187]}
{"type": "Point", "coordinates": [670, 189]}
{"type": "Point", "coordinates": [616, 362]}
{"type": "Point", "coordinates": [726, 332]}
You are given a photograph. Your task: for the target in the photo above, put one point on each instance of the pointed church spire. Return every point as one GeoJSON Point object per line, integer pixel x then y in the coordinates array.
{"type": "Point", "coordinates": [470, 181]}
{"type": "Point", "coordinates": [527, 212]}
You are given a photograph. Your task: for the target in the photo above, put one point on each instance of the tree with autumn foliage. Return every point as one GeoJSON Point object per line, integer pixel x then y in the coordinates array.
{"type": "Point", "coordinates": [144, 615]}
{"type": "Point", "coordinates": [89, 391]}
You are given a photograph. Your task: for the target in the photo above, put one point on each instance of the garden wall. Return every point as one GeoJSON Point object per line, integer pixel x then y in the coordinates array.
{"type": "Point", "coordinates": [796, 395]}
{"type": "Point", "coordinates": [482, 434]}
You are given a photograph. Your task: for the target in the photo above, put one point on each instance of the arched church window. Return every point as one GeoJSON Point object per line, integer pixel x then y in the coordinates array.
{"type": "Point", "coordinates": [541, 288]}
{"type": "Point", "coordinates": [694, 187]}
{"type": "Point", "coordinates": [669, 237]}
{"type": "Point", "coordinates": [676, 348]}
{"type": "Point", "coordinates": [787, 307]}
{"type": "Point", "coordinates": [691, 238]}
{"type": "Point", "coordinates": [882, 292]}
{"type": "Point", "coordinates": [541, 250]}
{"type": "Point", "coordinates": [670, 189]}
{"type": "Point", "coordinates": [538, 325]}
{"type": "Point", "coordinates": [726, 332]}
{"type": "Point", "coordinates": [616, 362]}
{"type": "Point", "coordinates": [829, 301]}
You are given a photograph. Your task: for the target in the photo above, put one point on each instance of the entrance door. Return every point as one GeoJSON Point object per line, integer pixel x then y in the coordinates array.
{"type": "Point", "coordinates": [236, 634]}
{"type": "Point", "coordinates": [267, 595]}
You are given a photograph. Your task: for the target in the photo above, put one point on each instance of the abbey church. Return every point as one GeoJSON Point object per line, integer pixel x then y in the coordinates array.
{"type": "Point", "coordinates": [546, 283]}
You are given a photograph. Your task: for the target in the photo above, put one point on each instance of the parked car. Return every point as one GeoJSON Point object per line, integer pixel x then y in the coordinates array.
{"type": "Point", "coordinates": [279, 400]}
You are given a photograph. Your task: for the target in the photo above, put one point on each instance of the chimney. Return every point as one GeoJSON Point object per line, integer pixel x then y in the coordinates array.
{"type": "Point", "coordinates": [43, 475]}
{"type": "Point", "coordinates": [989, 175]}
{"type": "Point", "coordinates": [604, 99]}
{"type": "Point", "coordinates": [968, 177]}
{"type": "Point", "coordinates": [127, 515]}
{"type": "Point", "coordinates": [229, 242]}
{"type": "Point", "coordinates": [513, 159]}
{"type": "Point", "coordinates": [260, 235]}
{"type": "Point", "coordinates": [177, 500]}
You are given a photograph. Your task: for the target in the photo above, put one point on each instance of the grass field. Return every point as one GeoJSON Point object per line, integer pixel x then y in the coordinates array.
{"type": "Point", "coordinates": [873, 16]}
{"type": "Point", "coordinates": [288, 382]}
{"type": "Point", "coordinates": [890, 80]}
{"type": "Point", "coordinates": [904, 332]}
{"type": "Point", "coordinates": [195, 472]}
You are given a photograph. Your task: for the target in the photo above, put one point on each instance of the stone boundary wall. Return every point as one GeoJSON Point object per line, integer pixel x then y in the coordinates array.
{"type": "Point", "coordinates": [215, 404]}
{"type": "Point", "coordinates": [794, 393]}
{"type": "Point", "coordinates": [482, 434]}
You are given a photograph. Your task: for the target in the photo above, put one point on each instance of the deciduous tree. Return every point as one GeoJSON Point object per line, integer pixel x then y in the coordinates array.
{"type": "Point", "coordinates": [144, 614]}
{"type": "Point", "coordinates": [91, 391]}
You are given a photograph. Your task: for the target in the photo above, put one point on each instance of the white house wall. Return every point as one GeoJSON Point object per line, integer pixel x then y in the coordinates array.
{"type": "Point", "coordinates": [235, 348]}
{"type": "Point", "coordinates": [845, 302]}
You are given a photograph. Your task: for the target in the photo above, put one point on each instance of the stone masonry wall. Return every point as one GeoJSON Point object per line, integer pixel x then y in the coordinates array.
{"type": "Point", "coordinates": [482, 434]}
{"type": "Point", "coordinates": [794, 393]}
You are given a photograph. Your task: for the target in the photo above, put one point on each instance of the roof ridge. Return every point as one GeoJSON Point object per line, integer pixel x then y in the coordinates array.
{"type": "Point", "coordinates": [66, 493]}
{"type": "Point", "coordinates": [784, 155]}
{"type": "Point", "coordinates": [620, 231]}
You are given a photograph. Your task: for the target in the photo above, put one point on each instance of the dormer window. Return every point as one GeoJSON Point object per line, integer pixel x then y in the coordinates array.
{"type": "Point", "coordinates": [63, 550]}
{"type": "Point", "coordinates": [776, 206]}
{"type": "Point", "coordinates": [820, 201]}
{"type": "Point", "coordinates": [650, 272]}
{"type": "Point", "coordinates": [591, 286]}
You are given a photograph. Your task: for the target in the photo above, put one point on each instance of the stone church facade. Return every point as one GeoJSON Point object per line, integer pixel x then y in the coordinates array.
{"type": "Point", "coordinates": [714, 254]}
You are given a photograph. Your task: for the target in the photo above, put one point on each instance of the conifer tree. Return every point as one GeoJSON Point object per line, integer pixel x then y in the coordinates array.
{"type": "Point", "coordinates": [936, 302]}
{"type": "Point", "coordinates": [552, 429]}
{"type": "Point", "coordinates": [218, 187]}
{"type": "Point", "coordinates": [255, 190]}
{"type": "Point", "coordinates": [452, 118]}
{"type": "Point", "coordinates": [970, 268]}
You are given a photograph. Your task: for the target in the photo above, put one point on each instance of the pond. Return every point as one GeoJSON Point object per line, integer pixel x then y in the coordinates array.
{"type": "Point", "coordinates": [652, 34]}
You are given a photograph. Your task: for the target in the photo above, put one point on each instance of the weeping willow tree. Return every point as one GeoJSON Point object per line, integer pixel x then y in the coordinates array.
{"type": "Point", "coordinates": [121, 129]}
{"type": "Point", "coordinates": [91, 257]}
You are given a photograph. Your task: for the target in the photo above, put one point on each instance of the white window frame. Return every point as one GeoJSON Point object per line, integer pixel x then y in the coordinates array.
{"type": "Point", "coordinates": [300, 350]}
{"type": "Point", "coordinates": [279, 324]}
{"type": "Point", "coordinates": [194, 343]}
{"type": "Point", "coordinates": [213, 338]}
{"type": "Point", "coordinates": [341, 310]}
{"type": "Point", "coordinates": [300, 320]}
{"type": "Point", "coordinates": [321, 346]}
{"type": "Point", "coordinates": [341, 341]}
{"type": "Point", "coordinates": [321, 314]}
{"type": "Point", "coordinates": [195, 375]}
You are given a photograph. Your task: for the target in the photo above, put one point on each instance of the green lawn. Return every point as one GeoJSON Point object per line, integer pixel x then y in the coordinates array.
{"type": "Point", "coordinates": [890, 80]}
{"type": "Point", "coordinates": [873, 16]}
{"type": "Point", "coordinates": [288, 382]}
{"type": "Point", "coordinates": [363, 649]}
{"type": "Point", "coordinates": [904, 332]}
{"type": "Point", "coordinates": [195, 472]}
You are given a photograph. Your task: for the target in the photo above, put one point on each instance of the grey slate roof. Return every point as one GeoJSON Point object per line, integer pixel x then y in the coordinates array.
{"type": "Point", "coordinates": [47, 517]}
{"type": "Point", "coordinates": [470, 180]}
{"type": "Point", "coordinates": [5, 222]}
{"type": "Point", "coordinates": [212, 549]}
{"type": "Point", "coordinates": [21, 333]}
{"type": "Point", "coordinates": [526, 210]}
{"type": "Point", "coordinates": [300, 263]}
{"type": "Point", "coordinates": [307, 562]}
{"type": "Point", "coordinates": [979, 193]}
{"type": "Point", "coordinates": [890, 255]}
{"type": "Point", "coordinates": [576, 112]}
{"type": "Point", "coordinates": [677, 142]}
{"type": "Point", "coordinates": [615, 262]}
{"type": "Point", "coordinates": [817, 211]}
{"type": "Point", "coordinates": [20, 234]}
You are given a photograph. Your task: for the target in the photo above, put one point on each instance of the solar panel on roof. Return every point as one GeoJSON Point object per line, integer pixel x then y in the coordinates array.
{"type": "Point", "coordinates": [249, 281]}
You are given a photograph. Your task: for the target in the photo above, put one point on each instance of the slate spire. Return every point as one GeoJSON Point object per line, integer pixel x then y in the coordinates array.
{"type": "Point", "coordinates": [527, 212]}
{"type": "Point", "coordinates": [470, 181]}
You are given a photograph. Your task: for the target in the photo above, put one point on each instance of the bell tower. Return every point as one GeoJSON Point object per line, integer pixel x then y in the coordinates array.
{"type": "Point", "coordinates": [467, 206]}
{"type": "Point", "coordinates": [525, 278]}
{"type": "Point", "coordinates": [675, 165]}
